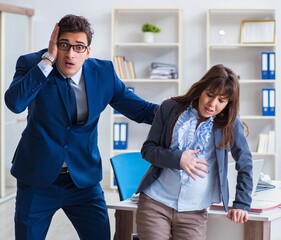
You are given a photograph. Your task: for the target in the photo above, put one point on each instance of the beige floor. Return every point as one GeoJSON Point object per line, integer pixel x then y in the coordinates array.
{"type": "Point", "coordinates": [60, 229]}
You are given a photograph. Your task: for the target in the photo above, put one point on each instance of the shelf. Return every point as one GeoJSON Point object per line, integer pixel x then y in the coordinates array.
{"type": "Point", "coordinates": [127, 42]}
{"type": "Point", "coordinates": [239, 45]}
{"type": "Point", "coordinates": [254, 81]}
{"type": "Point", "coordinates": [230, 21]}
{"type": "Point", "coordinates": [245, 60]}
{"type": "Point", "coordinates": [146, 10]}
{"type": "Point", "coordinates": [265, 118]}
{"type": "Point", "coordinates": [148, 45]}
{"type": "Point", "coordinates": [148, 80]}
{"type": "Point", "coordinates": [263, 154]}
{"type": "Point", "coordinates": [116, 151]}
{"type": "Point", "coordinates": [227, 11]}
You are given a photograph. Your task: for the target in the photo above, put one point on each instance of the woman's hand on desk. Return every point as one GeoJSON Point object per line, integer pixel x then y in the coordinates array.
{"type": "Point", "coordinates": [237, 215]}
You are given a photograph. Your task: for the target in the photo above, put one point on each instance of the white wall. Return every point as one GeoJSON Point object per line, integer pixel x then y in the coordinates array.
{"type": "Point", "coordinates": [47, 13]}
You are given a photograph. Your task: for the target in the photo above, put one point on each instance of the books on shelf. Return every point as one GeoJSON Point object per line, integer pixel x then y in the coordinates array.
{"type": "Point", "coordinates": [131, 70]}
{"type": "Point", "coordinates": [120, 135]}
{"type": "Point", "coordinates": [124, 68]}
{"type": "Point", "coordinates": [263, 143]}
{"type": "Point", "coordinates": [271, 142]}
{"type": "Point", "coordinates": [266, 142]}
{"type": "Point", "coordinates": [268, 65]}
{"type": "Point", "coordinates": [268, 102]}
{"type": "Point", "coordinates": [158, 70]}
{"type": "Point", "coordinates": [271, 65]}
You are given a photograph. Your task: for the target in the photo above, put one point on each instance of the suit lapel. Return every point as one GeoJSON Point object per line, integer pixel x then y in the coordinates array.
{"type": "Point", "coordinates": [90, 78]}
{"type": "Point", "coordinates": [220, 153]}
{"type": "Point", "coordinates": [62, 89]}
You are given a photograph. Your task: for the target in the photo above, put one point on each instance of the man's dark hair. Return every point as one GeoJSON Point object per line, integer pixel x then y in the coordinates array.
{"type": "Point", "coordinates": [75, 24]}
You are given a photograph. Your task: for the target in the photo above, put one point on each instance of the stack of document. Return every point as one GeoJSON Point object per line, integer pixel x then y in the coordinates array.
{"type": "Point", "coordinates": [257, 206]}
{"type": "Point", "coordinates": [262, 186]}
{"type": "Point", "coordinates": [163, 71]}
{"type": "Point", "coordinates": [261, 205]}
{"type": "Point", "coordinates": [120, 135]}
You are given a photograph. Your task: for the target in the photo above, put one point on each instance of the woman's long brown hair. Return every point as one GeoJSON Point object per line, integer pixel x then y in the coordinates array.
{"type": "Point", "coordinates": [219, 80]}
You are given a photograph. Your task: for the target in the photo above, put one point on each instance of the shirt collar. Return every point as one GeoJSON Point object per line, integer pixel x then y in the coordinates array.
{"type": "Point", "coordinates": [75, 78]}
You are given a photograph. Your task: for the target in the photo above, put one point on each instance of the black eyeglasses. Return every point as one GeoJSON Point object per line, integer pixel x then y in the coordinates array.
{"type": "Point", "coordinates": [79, 48]}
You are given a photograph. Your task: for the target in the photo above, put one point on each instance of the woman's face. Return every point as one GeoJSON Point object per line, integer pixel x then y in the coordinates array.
{"type": "Point", "coordinates": [210, 104]}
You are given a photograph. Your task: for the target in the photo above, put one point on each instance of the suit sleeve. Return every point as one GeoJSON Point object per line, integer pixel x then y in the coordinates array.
{"type": "Point", "coordinates": [27, 82]}
{"type": "Point", "coordinates": [130, 104]}
{"type": "Point", "coordinates": [244, 166]}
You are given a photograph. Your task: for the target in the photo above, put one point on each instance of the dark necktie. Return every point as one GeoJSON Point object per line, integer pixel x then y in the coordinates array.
{"type": "Point", "coordinates": [72, 101]}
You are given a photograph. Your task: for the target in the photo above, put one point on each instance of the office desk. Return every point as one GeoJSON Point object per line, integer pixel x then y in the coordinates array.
{"type": "Point", "coordinates": [261, 226]}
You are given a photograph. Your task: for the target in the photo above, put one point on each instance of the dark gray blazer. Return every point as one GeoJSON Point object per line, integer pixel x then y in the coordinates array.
{"type": "Point", "coordinates": [156, 151]}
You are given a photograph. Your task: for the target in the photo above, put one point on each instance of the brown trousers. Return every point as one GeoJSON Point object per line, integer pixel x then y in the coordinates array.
{"type": "Point", "coordinates": [156, 221]}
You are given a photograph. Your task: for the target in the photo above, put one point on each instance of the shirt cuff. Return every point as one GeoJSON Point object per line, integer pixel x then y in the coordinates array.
{"type": "Point", "coordinates": [45, 67]}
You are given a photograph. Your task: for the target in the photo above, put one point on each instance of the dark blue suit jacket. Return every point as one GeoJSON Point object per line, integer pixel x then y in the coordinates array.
{"type": "Point", "coordinates": [49, 139]}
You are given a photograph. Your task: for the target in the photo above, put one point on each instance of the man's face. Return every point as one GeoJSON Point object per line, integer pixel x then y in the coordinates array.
{"type": "Point", "coordinates": [69, 62]}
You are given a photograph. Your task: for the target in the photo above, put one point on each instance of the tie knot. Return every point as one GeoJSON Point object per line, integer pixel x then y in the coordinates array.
{"type": "Point", "coordinates": [68, 82]}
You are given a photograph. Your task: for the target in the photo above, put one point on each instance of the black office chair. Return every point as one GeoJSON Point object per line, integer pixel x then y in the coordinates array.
{"type": "Point", "coordinates": [128, 169]}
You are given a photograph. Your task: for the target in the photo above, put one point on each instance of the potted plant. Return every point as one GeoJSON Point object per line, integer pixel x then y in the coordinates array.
{"type": "Point", "coordinates": [149, 30]}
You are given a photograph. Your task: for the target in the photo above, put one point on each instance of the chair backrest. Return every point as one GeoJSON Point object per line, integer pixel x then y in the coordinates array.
{"type": "Point", "coordinates": [128, 169]}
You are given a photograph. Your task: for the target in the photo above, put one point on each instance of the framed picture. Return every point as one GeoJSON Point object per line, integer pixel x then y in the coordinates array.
{"type": "Point", "coordinates": [257, 32]}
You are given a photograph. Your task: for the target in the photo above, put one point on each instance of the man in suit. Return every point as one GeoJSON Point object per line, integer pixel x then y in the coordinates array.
{"type": "Point", "coordinates": [57, 162]}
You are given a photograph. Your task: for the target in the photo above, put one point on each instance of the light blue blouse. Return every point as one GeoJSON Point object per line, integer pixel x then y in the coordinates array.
{"type": "Point", "coordinates": [174, 188]}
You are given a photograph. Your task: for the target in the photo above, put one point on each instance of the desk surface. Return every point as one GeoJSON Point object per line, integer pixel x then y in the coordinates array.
{"type": "Point", "coordinates": [268, 215]}
{"type": "Point", "coordinates": [126, 205]}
